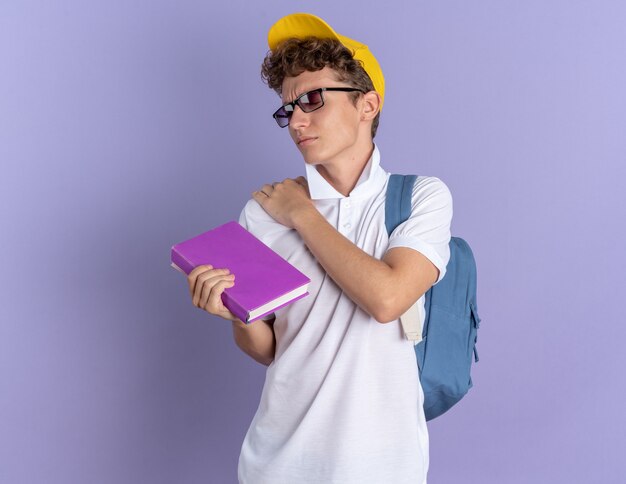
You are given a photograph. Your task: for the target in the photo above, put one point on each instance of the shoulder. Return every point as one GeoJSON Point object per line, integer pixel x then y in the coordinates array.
{"type": "Point", "coordinates": [430, 190]}
{"type": "Point", "coordinates": [256, 220]}
{"type": "Point", "coordinates": [253, 211]}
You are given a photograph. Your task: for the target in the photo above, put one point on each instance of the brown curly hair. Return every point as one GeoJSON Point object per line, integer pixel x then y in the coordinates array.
{"type": "Point", "coordinates": [294, 56]}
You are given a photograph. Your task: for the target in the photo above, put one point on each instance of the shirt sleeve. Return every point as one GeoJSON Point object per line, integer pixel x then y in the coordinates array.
{"type": "Point", "coordinates": [427, 229]}
{"type": "Point", "coordinates": [258, 222]}
{"type": "Point", "coordinates": [243, 217]}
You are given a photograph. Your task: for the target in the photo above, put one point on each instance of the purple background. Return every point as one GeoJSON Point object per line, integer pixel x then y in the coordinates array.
{"type": "Point", "coordinates": [126, 127]}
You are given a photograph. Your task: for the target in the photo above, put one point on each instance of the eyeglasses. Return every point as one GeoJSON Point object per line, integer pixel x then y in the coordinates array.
{"type": "Point", "coordinates": [308, 102]}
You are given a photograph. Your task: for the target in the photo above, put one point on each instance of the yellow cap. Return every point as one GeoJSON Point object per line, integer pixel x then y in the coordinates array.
{"type": "Point", "coordinates": [302, 25]}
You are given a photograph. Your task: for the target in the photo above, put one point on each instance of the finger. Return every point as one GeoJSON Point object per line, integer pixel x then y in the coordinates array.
{"type": "Point", "coordinates": [261, 197]}
{"type": "Point", "coordinates": [204, 282]}
{"type": "Point", "coordinates": [193, 275]}
{"type": "Point", "coordinates": [213, 303]}
{"type": "Point", "coordinates": [204, 279]}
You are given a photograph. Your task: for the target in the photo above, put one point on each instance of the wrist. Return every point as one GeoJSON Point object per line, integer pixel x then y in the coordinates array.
{"type": "Point", "coordinates": [306, 218]}
{"type": "Point", "coordinates": [238, 323]}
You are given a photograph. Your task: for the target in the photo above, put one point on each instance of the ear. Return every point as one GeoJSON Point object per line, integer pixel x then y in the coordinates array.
{"type": "Point", "coordinates": [371, 105]}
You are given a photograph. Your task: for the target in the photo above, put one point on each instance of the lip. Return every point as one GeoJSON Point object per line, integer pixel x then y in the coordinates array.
{"type": "Point", "coordinates": [305, 141]}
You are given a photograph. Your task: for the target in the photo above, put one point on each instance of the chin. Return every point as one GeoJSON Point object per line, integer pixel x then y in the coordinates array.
{"type": "Point", "coordinates": [310, 158]}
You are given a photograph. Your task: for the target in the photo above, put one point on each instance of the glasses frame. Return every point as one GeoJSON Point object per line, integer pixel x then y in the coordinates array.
{"type": "Point", "coordinates": [297, 102]}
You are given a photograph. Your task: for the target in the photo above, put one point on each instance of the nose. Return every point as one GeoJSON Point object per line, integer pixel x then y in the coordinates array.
{"type": "Point", "coordinates": [299, 118]}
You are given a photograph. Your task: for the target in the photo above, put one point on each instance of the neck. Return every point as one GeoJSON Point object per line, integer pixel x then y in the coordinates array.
{"type": "Point", "coordinates": [343, 174]}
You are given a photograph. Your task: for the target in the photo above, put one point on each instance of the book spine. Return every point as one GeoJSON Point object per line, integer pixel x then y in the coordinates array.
{"type": "Point", "coordinates": [178, 259]}
{"type": "Point", "coordinates": [234, 307]}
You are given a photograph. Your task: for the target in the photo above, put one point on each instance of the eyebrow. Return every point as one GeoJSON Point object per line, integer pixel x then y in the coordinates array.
{"type": "Point", "coordinates": [297, 96]}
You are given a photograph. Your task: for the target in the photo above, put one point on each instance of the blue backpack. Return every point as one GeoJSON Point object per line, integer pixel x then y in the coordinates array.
{"type": "Point", "coordinates": [449, 334]}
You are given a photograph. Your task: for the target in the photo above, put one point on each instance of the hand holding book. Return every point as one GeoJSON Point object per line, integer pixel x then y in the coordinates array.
{"type": "Point", "coordinates": [206, 286]}
{"type": "Point", "coordinates": [267, 282]}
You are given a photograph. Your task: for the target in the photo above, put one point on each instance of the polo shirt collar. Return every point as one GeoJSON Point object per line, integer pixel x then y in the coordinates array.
{"type": "Point", "coordinates": [370, 182]}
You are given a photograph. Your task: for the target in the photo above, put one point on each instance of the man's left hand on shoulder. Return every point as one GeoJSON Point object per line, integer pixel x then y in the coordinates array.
{"type": "Point", "coordinates": [285, 201]}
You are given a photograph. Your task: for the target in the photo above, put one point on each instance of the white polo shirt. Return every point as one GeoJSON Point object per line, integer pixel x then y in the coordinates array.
{"type": "Point", "coordinates": [342, 401]}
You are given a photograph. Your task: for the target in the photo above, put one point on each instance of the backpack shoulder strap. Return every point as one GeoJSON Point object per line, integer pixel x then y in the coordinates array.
{"type": "Point", "coordinates": [398, 201]}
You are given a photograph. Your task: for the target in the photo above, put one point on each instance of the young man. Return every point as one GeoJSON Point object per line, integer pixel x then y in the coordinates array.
{"type": "Point", "coordinates": [342, 402]}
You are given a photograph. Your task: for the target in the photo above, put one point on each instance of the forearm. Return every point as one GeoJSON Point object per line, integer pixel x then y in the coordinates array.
{"type": "Point", "coordinates": [365, 279]}
{"type": "Point", "coordinates": [256, 339]}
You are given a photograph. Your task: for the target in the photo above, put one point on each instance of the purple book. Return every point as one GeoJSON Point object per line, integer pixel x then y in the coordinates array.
{"type": "Point", "coordinates": [264, 281]}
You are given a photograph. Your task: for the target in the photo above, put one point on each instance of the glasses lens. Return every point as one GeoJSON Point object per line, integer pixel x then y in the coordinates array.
{"type": "Point", "coordinates": [282, 117]}
{"type": "Point", "coordinates": [311, 101]}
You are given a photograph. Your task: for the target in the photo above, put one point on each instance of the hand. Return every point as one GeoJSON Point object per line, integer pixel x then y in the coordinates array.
{"type": "Point", "coordinates": [285, 201]}
{"type": "Point", "coordinates": [206, 286]}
